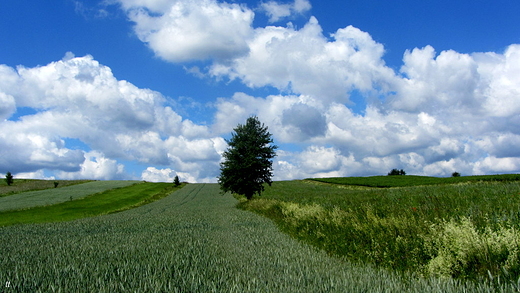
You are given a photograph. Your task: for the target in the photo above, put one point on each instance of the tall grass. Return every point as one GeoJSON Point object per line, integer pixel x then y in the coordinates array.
{"type": "Point", "coordinates": [194, 240]}
{"type": "Point", "coordinates": [465, 231]}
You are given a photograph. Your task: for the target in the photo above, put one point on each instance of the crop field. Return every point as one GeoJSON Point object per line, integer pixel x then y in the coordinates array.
{"type": "Point", "coordinates": [194, 240]}
{"type": "Point", "coordinates": [23, 185]}
{"type": "Point", "coordinates": [108, 201]}
{"type": "Point", "coordinates": [467, 231]}
{"type": "Point", "coordinates": [56, 195]}
{"type": "Point", "coordinates": [411, 180]}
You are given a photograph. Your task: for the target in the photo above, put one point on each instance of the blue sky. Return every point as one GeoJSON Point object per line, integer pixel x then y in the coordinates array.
{"type": "Point", "coordinates": [149, 89]}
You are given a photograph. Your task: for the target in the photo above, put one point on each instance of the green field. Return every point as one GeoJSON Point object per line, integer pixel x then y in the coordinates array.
{"type": "Point", "coordinates": [411, 180]}
{"type": "Point", "coordinates": [121, 196]}
{"type": "Point", "coordinates": [194, 240]}
{"type": "Point", "coordinates": [53, 195]}
{"type": "Point", "coordinates": [466, 230]}
{"type": "Point", "coordinates": [23, 185]}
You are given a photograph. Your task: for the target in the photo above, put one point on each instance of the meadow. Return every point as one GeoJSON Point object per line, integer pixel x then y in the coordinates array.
{"type": "Point", "coordinates": [52, 195]}
{"type": "Point", "coordinates": [468, 230]}
{"type": "Point", "coordinates": [194, 240]}
{"type": "Point", "coordinates": [115, 196]}
{"type": "Point", "coordinates": [411, 180]}
{"type": "Point", "coordinates": [23, 185]}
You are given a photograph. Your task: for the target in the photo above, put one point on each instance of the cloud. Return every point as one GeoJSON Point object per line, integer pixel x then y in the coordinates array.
{"type": "Point", "coordinates": [503, 90]}
{"type": "Point", "coordinates": [22, 151]}
{"type": "Point", "coordinates": [277, 11]}
{"type": "Point", "coordinates": [97, 166]}
{"type": "Point", "coordinates": [153, 174]}
{"type": "Point", "coordinates": [289, 118]}
{"type": "Point", "coordinates": [440, 112]}
{"type": "Point", "coordinates": [191, 30]}
{"type": "Point", "coordinates": [493, 165]}
{"type": "Point", "coordinates": [437, 118]}
{"type": "Point", "coordinates": [304, 121]}
{"type": "Point", "coordinates": [34, 175]}
{"type": "Point", "coordinates": [78, 98]}
{"type": "Point", "coordinates": [320, 159]}
{"type": "Point", "coordinates": [447, 80]}
{"type": "Point", "coordinates": [7, 106]}
{"type": "Point", "coordinates": [306, 62]}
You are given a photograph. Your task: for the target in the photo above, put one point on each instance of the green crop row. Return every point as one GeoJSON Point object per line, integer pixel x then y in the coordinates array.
{"type": "Point", "coordinates": [109, 201]}
{"type": "Point", "coordinates": [53, 196]}
{"type": "Point", "coordinates": [468, 231]}
{"type": "Point", "coordinates": [24, 185]}
{"type": "Point", "coordinates": [194, 240]}
{"type": "Point", "coordinates": [410, 180]}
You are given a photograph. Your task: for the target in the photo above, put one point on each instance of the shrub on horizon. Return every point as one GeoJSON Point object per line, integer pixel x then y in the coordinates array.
{"type": "Point", "coordinates": [9, 178]}
{"type": "Point", "coordinates": [176, 181]}
{"type": "Point", "coordinates": [396, 172]}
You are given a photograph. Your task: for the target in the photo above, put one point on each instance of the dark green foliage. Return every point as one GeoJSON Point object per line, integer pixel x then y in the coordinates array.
{"type": "Point", "coordinates": [396, 172]}
{"type": "Point", "coordinates": [247, 162]}
{"type": "Point", "coordinates": [176, 181]}
{"type": "Point", "coordinates": [56, 183]}
{"type": "Point", "coordinates": [455, 174]}
{"type": "Point", "coordinates": [9, 178]}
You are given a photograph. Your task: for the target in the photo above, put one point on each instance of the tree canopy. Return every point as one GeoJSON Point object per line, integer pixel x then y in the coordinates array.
{"type": "Point", "coordinates": [396, 172]}
{"type": "Point", "coordinates": [247, 163]}
{"type": "Point", "coordinates": [9, 178]}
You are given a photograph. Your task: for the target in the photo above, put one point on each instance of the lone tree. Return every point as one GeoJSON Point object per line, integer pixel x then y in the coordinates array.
{"type": "Point", "coordinates": [176, 181]}
{"type": "Point", "coordinates": [247, 162]}
{"type": "Point", "coordinates": [9, 178]}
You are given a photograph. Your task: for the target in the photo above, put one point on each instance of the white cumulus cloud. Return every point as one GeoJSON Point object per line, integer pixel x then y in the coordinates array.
{"type": "Point", "coordinates": [277, 11]}
{"type": "Point", "coordinates": [78, 98]}
{"type": "Point", "coordinates": [191, 30]}
{"type": "Point", "coordinates": [97, 166]}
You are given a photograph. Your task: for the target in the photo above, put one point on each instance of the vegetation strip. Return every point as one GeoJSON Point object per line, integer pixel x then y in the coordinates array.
{"type": "Point", "coordinates": [24, 185]}
{"type": "Point", "coordinates": [410, 180]}
{"type": "Point", "coordinates": [466, 231]}
{"type": "Point", "coordinates": [96, 204]}
{"type": "Point", "coordinates": [57, 195]}
{"type": "Point", "coordinates": [194, 240]}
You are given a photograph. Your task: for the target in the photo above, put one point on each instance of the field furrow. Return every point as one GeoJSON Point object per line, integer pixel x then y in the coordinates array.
{"type": "Point", "coordinates": [194, 240]}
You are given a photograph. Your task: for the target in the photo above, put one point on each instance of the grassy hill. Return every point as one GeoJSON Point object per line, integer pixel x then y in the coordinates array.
{"type": "Point", "coordinates": [53, 195]}
{"type": "Point", "coordinates": [411, 180]}
{"type": "Point", "coordinates": [24, 185]}
{"type": "Point", "coordinates": [80, 201]}
{"type": "Point", "coordinates": [469, 230]}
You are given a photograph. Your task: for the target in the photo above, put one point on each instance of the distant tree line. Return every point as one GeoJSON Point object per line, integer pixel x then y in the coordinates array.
{"type": "Point", "coordinates": [395, 172]}
{"type": "Point", "coordinates": [402, 172]}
